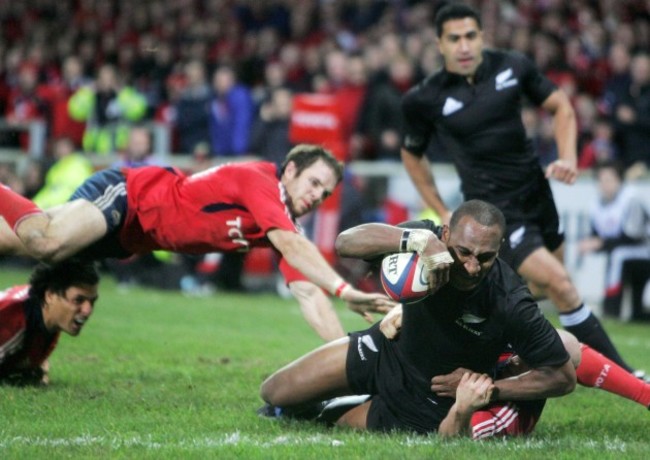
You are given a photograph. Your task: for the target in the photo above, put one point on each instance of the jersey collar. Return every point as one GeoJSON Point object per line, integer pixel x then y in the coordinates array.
{"type": "Point", "coordinates": [482, 72]}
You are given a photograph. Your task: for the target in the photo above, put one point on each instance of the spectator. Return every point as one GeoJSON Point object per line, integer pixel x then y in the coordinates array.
{"type": "Point", "coordinates": [347, 80]}
{"type": "Point", "coordinates": [601, 148]}
{"type": "Point", "coordinates": [619, 80]}
{"type": "Point", "coordinates": [69, 170]}
{"type": "Point", "coordinates": [108, 108]}
{"type": "Point", "coordinates": [24, 103]}
{"type": "Point", "coordinates": [380, 118]}
{"type": "Point", "coordinates": [270, 135]}
{"type": "Point", "coordinates": [138, 149]}
{"type": "Point", "coordinates": [193, 108]}
{"type": "Point", "coordinates": [620, 228]}
{"type": "Point", "coordinates": [57, 95]}
{"type": "Point", "coordinates": [231, 114]}
{"type": "Point", "coordinates": [632, 117]}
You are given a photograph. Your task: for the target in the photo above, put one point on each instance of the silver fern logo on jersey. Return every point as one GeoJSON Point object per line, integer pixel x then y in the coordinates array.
{"type": "Point", "coordinates": [504, 80]}
{"type": "Point", "coordinates": [517, 237]}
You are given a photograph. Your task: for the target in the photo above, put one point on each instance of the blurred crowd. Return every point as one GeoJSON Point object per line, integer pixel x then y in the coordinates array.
{"type": "Point", "coordinates": [221, 74]}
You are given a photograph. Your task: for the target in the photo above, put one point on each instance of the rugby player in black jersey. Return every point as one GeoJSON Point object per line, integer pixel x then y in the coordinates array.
{"type": "Point", "coordinates": [473, 107]}
{"type": "Point", "coordinates": [476, 309]}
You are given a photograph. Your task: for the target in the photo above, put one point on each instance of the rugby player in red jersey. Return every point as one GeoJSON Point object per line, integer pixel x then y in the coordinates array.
{"type": "Point", "coordinates": [232, 207]}
{"type": "Point", "coordinates": [58, 298]}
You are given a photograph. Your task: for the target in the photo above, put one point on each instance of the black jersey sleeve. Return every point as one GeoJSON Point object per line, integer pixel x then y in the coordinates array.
{"type": "Point", "coordinates": [531, 335]}
{"type": "Point", "coordinates": [416, 129]}
{"type": "Point", "coordinates": [426, 224]}
{"type": "Point", "coordinates": [536, 86]}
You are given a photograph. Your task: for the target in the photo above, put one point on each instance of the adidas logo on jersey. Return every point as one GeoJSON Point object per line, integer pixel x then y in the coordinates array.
{"type": "Point", "coordinates": [451, 105]}
{"type": "Point", "coordinates": [504, 80]}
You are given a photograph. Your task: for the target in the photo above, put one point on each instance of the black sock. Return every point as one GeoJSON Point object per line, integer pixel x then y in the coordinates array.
{"type": "Point", "coordinates": [582, 323]}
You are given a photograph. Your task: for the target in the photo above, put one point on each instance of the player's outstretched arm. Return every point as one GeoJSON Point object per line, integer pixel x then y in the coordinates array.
{"type": "Point", "coordinates": [317, 309]}
{"type": "Point", "coordinates": [305, 257]}
{"type": "Point", "coordinates": [419, 170]}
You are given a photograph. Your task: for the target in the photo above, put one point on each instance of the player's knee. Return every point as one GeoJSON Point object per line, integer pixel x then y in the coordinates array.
{"type": "Point", "coordinates": [562, 291]}
{"type": "Point", "coordinates": [45, 250]}
{"type": "Point", "coordinates": [571, 345]}
{"type": "Point", "coordinates": [269, 391]}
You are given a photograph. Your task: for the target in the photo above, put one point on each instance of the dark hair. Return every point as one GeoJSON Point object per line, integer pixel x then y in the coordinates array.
{"type": "Point", "coordinates": [305, 155]}
{"type": "Point", "coordinates": [61, 276]}
{"type": "Point", "coordinates": [482, 212]}
{"type": "Point", "coordinates": [452, 11]}
{"type": "Point", "coordinates": [615, 165]}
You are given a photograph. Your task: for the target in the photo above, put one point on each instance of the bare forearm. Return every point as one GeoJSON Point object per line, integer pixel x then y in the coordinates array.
{"type": "Point", "coordinates": [566, 135]}
{"type": "Point", "coordinates": [317, 310]}
{"type": "Point", "coordinates": [540, 383]}
{"type": "Point", "coordinates": [419, 169]}
{"type": "Point", "coordinates": [303, 255]}
{"type": "Point", "coordinates": [456, 423]}
{"type": "Point", "coordinates": [368, 240]}
{"type": "Point", "coordinates": [565, 128]}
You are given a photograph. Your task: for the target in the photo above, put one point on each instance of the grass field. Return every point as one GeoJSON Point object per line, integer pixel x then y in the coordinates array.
{"type": "Point", "coordinates": [159, 375]}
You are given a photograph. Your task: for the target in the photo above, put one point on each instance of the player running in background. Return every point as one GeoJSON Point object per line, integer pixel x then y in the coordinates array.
{"type": "Point", "coordinates": [233, 207]}
{"type": "Point", "coordinates": [473, 106]}
{"type": "Point", "coordinates": [58, 298]}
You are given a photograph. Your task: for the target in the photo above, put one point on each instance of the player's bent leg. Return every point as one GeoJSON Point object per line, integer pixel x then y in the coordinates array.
{"type": "Point", "coordinates": [544, 269]}
{"type": "Point", "coordinates": [356, 417]}
{"type": "Point", "coordinates": [62, 231]}
{"type": "Point", "coordinates": [10, 244]}
{"type": "Point", "coordinates": [317, 376]}
{"type": "Point", "coordinates": [506, 419]}
{"type": "Point", "coordinates": [547, 272]}
{"type": "Point", "coordinates": [572, 346]}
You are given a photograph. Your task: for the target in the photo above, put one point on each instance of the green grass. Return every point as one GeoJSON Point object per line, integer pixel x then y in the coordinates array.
{"type": "Point", "coordinates": [158, 375]}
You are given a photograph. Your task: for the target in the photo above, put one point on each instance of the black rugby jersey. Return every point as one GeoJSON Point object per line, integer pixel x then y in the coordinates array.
{"type": "Point", "coordinates": [480, 124]}
{"type": "Point", "coordinates": [470, 329]}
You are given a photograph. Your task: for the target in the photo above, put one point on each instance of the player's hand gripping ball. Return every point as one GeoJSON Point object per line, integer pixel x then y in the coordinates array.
{"type": "Point", "coordinates": [404, 277]}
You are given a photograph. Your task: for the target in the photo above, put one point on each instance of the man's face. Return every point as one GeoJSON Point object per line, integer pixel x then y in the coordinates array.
{"type": "Point", "coordinates": [70, 311]}
{"type": "Point", "coordinates": [307, 190]}
{"type": "Point", "coordinates": [474, 248]}
{"type": "Point", "coordinates": [460, 44]}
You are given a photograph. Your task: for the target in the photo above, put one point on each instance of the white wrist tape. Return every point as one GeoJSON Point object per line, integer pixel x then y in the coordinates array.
{"type": "Point", "coordinates": [417, 240]}
{"type": "Point", "coordinates": [433, 261]}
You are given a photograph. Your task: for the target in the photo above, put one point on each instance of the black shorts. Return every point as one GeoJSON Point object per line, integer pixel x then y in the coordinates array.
{"type": "Point", "coordinates": [106, 189]}
{"type": "Point", "coordinates": [532, 221]}
{"type": "Point", "coordinates": [401, 398]}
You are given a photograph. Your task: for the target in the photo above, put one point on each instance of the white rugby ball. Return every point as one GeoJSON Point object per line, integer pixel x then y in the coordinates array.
{"type": "Point", "coordinates": [404, 277]}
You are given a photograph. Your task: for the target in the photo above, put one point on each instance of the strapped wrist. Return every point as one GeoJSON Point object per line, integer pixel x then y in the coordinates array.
{"type": "Point", "coordinates": [403, 242]}
{"type": "Point", "coordinates": [417, 240]}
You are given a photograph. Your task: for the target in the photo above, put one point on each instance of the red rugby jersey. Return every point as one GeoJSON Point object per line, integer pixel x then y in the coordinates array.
{"type": "Point", "coordinates": [226, 208]}
{"type": "Point", "coordinates": [22, 346]}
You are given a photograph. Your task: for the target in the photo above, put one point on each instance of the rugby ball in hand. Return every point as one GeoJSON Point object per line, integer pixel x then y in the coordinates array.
{"type": "Point", "coordinates": [404, 277]}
